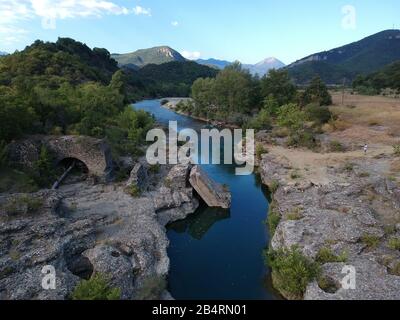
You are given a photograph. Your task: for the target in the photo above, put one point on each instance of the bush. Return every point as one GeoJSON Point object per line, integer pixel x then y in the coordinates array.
{"type": "Point", "coordinates": [274, 186]}
{"type": "Point", "coordinates": [134, 191]}
{"type": "Point", "coordinates": [43, 172]}
{"type": "Point", "coordinates": [292, 271]}
{"type": "Point", "coordinates": [325, 255]}
{"type": "Point", "coordinates": [23, 204]}
{"type": "Point", "coordinates": [295, 215]}
{"type": "Point", "coordinates": [371, 241]}
{"type": "Point", "coordinates": [97, 288]}
{"type": "Point", "coordinates": [152, 288]}
{"type": "Point", "coordinates": [261, 122]}
{"type": "Point", "coordinates": [396, 149]}
{"type": "Point", "coordinates": [316, 92]}
{"type": "Point", "coordinates": [154, 169]}
{"type": "Point", "coordinates": [260, 150]}
{"type": "Point", "coordinates": [394, 243]}
{"type": "Point", "coordinates": [336, 146]}
{"type": "Point", "coordinates": [274, 218]}
{"type": "Point", "coordinates": [303, 139]}
{"type": "Point", "coordinates": [317, 114]}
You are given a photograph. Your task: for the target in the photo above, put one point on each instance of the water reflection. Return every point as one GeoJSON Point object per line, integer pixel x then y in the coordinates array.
{"type": "Point", "coordinates": [197, 225]}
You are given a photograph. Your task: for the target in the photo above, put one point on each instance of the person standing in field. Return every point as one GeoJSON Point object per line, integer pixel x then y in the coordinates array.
{"type": "Point", "coordinates": [365, 149]}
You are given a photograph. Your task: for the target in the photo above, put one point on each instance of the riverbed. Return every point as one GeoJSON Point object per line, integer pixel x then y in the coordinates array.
{"type": "Point", "coordinates": [215, 253]}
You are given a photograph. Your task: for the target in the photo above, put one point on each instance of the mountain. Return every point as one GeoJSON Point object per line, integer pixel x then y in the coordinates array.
{"type": "Point", "coordinates": [171, 79]}
{"type": "Point", "coordinates": [388, 77]}
{"type": "Point", "coordinates": [214, 63]}
{"type": "Point", "coordinates": [143, 57]}
{"type": "Point", "coordinates": [261, 68]}
{"type": "Point", "coordinates": [358, 58]}
{"type": "Point", "coordinates": [2, 53]}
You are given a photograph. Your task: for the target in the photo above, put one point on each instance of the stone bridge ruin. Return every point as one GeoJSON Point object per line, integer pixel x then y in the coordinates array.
{"type": "Point", "coordinates": [95, 154]}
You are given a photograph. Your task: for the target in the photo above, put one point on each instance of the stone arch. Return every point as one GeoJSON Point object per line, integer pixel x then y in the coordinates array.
{"type": "Point", "coordinates": [94, 153]}
{"type": "Point", "coordinates": [79, 164]}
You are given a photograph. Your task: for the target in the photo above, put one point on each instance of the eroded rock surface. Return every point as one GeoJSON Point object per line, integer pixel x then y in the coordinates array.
{"type": "Point", "coordinates": [341, 216]}
{"type": "Point", "coordinates": [80, 229]}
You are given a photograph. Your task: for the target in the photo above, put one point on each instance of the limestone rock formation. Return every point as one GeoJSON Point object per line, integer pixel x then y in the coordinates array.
{"type": "Point", "coordinates": [213, 194]}
{"type": "Point", "coordinates": [343, 217]}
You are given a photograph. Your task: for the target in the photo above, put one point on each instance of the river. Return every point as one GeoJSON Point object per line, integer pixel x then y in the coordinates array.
{"type": "Point", "coordinates": [215, 253]}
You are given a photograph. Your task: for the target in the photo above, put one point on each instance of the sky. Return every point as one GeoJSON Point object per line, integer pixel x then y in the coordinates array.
{"type": "Point", "coordinates": [244, 30]}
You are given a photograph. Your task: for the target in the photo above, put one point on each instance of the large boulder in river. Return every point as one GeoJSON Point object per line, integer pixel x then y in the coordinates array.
{"type": "Point", "coordinates": [213, 194]}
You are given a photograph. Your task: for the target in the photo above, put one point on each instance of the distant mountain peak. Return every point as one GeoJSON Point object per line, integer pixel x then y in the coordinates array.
{"type": "Point", "coordinates": [263, 67]}
{"type": "Point", "coordinates": [143, 57]}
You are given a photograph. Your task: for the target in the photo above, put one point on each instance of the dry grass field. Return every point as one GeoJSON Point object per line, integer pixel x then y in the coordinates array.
{"type": "Point", "coordinates": [366, 119]}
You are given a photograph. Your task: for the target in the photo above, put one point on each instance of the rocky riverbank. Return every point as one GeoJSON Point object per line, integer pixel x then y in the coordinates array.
{"type": "Point", "coordinates": [339, 211]}
{"type": "Point", "coordinates": [82, 229]}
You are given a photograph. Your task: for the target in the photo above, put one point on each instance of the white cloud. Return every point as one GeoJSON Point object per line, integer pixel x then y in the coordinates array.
{"type": "Point", "coordinates": [138, 10]}
{"type": "Point", "coordinates": [175, 23]}
{"type": "Point", "coordinates": [12, 12]}
{"type": "Point", "coordinates": [191, 55]}
{"type": "Point", "coordinates": [63, 9]}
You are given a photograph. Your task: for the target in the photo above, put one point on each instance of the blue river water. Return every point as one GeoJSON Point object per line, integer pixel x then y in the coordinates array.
{"type": "Point", "coordinates": [215, 253]}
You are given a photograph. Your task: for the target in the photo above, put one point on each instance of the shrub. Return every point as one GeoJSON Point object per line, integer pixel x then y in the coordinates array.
{"type": "Point", "coordinates": [336, 146]}
{"type": "Point", "coordinates": [274, 186]}
{"type": "Point", "coordinates": [274, 218]}
{"type": "Point", "coordinates": [349, 167]}
{"type": "Point", "coordinates": [134, 191]}
{"type": "Point", "coordinates": [152, 288]}
{"type": "Point", "coordinates": [43, 172]}
{"type": "Point", "coordinates": [23, 204]}
{"type": "Point", "coordinates": [396, 149]}
{"type": "Point", "coordinates": [328, 284]}
{"type": "Point", "coordinates": [396, 269]}
{"type": "Point", "coordinates": [303, 138]}
{"type": "Point", "coordinates": [154, 169]}
{"type": "Point", "coordinates": [394, 243]}
{"type": "Point", "coordinates": [292, 271]}
{"type": "Point", "coordinates": [317, 93]}
{"type": "Point", "coordinates": [295, 215]}
{"type": "Point", "coordinates": [317, 114]}
{"type": "Point", "coordinates": [294, 175]}
{"type": "Point", "coordinates": [325, 255]}
{"type": "Point", "coordinates": [260, 150]}
{"type": "Point", "coordinates": [371, 241]}
{"type": "Point", "coordinates": [96, 288]}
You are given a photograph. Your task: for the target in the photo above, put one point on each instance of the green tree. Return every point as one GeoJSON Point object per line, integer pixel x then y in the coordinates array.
{"type": "Point", "coordinates": [291, 116]}
{"type": "Point", "coordinates": [278, 85]}
{"type": "Point", "coordinates": [43, 169]}
{"type": "Point", "coordinates": [96, 288]}
{"type": "Point", "coordinates": [317, 92]}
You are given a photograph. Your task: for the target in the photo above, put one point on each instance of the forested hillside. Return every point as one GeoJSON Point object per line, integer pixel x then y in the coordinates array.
{"type": "Point", "coordinates": [388, 77]}
{"type": "Point", "coordinates": [66, 88]}
{"type": "Point", "coordinates": [173, 79]}
{"type": "Point", "coordinates": [347, 62]}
